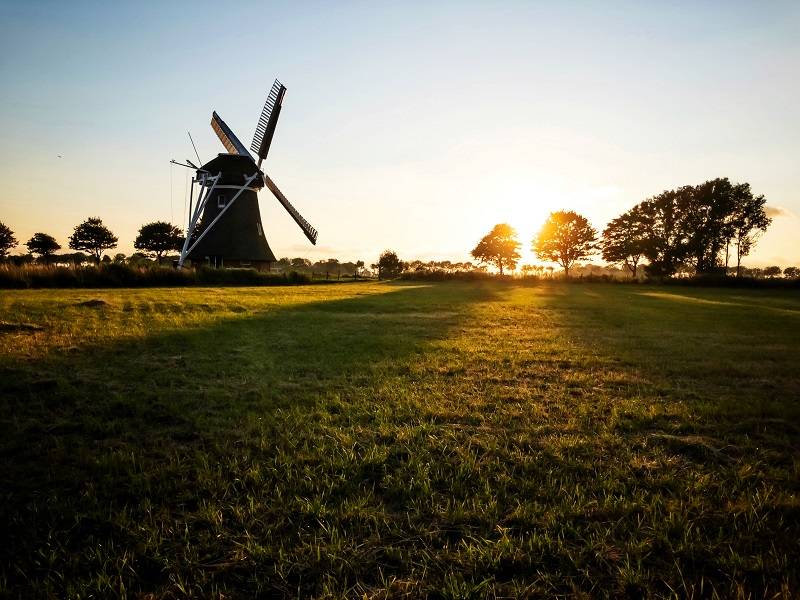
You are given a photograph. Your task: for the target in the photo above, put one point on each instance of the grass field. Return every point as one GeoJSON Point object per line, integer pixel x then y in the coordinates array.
{"type": "Point", "coordinates": [381, 440]}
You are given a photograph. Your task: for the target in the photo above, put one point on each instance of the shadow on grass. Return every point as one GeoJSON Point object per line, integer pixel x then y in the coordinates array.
{"type": "Point", "coordinates": [111, 454]}
{"type": "Point", "coordinates": [418, 442]}
{"type": "Point", "coordinates": [732, 357]}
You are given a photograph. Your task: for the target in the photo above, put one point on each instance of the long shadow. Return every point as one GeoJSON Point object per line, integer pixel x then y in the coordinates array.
{"type": "Point", "coordinates": [277, 452]}
{"type": "Point", "coordinates": [104, 437]}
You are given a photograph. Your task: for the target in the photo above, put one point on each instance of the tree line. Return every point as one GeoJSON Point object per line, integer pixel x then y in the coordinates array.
{"type": "Point", "coordinates": [698, 227]}
{"type": "Point", "coordinates": [91, 236]}
{"type": "Point", "coordinates": [154, 241]}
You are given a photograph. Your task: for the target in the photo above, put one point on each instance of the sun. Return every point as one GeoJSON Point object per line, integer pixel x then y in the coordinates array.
{"type": "Point", "coordinates": [526, 211]}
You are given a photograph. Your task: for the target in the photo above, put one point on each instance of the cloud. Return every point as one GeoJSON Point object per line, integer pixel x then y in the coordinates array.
{"type": "Point", "coordinates": [776, 211]}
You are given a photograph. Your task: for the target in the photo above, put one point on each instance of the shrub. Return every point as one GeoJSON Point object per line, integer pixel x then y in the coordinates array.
{"type": "Point", "coordinates": [131, 275]}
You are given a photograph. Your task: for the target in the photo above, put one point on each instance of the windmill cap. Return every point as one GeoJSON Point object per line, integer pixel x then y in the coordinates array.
{"type": "Point", "coordinates": [235, 169]}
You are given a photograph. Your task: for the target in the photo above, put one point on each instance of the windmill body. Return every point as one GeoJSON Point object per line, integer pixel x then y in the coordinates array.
{"type": "Point", "coordinates": [237, 239]}
{"type": "Point", "coordinates": [225, 228]}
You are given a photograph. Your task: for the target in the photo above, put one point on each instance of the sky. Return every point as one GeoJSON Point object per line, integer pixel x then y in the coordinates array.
{"type": "Point", "coordinates": [411, 126]}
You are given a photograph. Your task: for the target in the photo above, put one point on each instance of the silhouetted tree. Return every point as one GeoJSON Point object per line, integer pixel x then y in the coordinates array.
{"type": "Point", "coordinates": [746, 223]}
{"type": "Point", "coordinates": [388, 265]}
{"type": "Point", "coordinates": [710, 206]}
{"type": "Point", "coordinates": [7, 240]}
{"type": "Point", "coordinates": [93, 237]}
{"type": "Point", "coordinates": [791, 272]}
{"type": "Point", "coordinates": [75, 258]}
{"type": "Point", "coordinates": [498, 248]}
{"type": "Point", "coordinates": [695, 226]}
{"type": "Point", "coordinates": [625, 240]}
{"type": "Point", "coordinates": [301, 263]}
{"type": "Point", "coordinates": [564, 238]}
{"type": "Point", "coordinates": [119, 258]}
{"type": "Point", "coordinates": [773, 271]}
{"type": "Point", "coordinates": [359, 266]}
{"type": "Point", "coordinates": [666, 219]}
{"type": "Point", "coordinates": [43, 244]}
{"type": "Point", "coordinates": [158, 238]}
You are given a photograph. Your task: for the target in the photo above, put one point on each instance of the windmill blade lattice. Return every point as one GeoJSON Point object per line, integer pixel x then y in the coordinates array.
{"type": "Point", "coordinates": [269, 119]}
{"type": "Point", "coordinates": [310, 232]}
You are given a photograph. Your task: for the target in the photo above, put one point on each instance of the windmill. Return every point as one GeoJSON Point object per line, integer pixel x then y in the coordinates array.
{"type": "Point", "coordinates": [225, 226]}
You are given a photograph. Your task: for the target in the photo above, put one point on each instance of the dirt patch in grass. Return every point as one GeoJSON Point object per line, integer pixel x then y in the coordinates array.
{"type": "Point", "coordinates": [8, 327]}
{"type": "Point", "coordinates": [92, 303]}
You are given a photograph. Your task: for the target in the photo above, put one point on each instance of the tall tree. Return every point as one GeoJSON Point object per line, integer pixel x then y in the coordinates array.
{"type": "Point", "coordinates": [710, 206]}
{"type": "Point", "coordinates": [158, 238]}
{"type": "Point", "coordinates": [43, 244]}
{"type": "Point", "coordinates": [388, 265]}
{"type": "Point", "coordinates": [93, 237]}
{"type": "Point", "coordinates": [498, 248]}
{"type": "Point", "coordinates": [7, 240]}
{"type": "Point", "coordinates": [625, 240]}
{"type": "Point", "coordinates": [669, 230]}
{"type": "Point", "coordinates": [748, 220]}
{"type": "Point", "coordinates": [695, 226]}
{"type": "Point", "coordinates": [564, 238]}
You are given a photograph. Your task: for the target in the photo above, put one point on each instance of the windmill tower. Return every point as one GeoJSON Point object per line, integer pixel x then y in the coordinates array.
{"type": "Point", "coordinates": [225, 227]}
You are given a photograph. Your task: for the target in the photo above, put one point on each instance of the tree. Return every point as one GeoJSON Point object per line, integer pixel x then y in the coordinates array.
{"type": "Point", "coordinates": [709, 210]}
{"type": "Point", "coordinates": [388, 265]}
{"type": "Point", "coordinates": [42, 244]}
{"type": "Point", "coordinates": [359, 266]}
{"type": "Point", "coordinates": [625, 240]}
{"type": "Point", "coordinates": [157, 238]}
{"type": "Point", "coordinates": [668, 230]}
{"type": "Point", "coordinates": [791, 272]}
{"type": "Point", "coordinates": [565, 237]}
{"type": "Point", "coordinates": [7, 240]}
{"type": "Point", "coordinates": [498, 248]}
{"type": "Point", "coordinates": [695, 226]}
{"type": "Point", "coordinates": [93, 237]}
{"type": "Point", "coordinates": [773, 271]}
{"type": "Point", "coordinates": [301, 263]}
{"type": "Point", "coordinates": [747, 222]}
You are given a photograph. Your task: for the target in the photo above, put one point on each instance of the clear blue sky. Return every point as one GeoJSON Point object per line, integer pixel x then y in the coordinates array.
{"type": "Point", "coordinates": [406, 125]}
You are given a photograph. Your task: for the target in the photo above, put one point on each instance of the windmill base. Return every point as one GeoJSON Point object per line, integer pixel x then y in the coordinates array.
{"type": "Point", "coordinates": [220, 262]}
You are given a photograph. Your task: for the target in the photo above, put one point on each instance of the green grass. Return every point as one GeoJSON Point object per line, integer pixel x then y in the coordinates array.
{"type": "Point", "coordinates": [377, 440]}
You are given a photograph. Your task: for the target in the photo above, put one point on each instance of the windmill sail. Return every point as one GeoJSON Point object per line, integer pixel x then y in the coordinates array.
{"type": "Point", "coordinates": [310, 232]}
{"type": "Point", "coordinates": [269, 119]}
{"type": "Point", "coordinates": [226, 136]}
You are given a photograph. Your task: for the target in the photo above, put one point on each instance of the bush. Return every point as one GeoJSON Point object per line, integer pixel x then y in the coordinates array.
{"type": "Point", "coordinates": [122, 275]}
{"type": "Point", "coordinates": [438, 275]}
